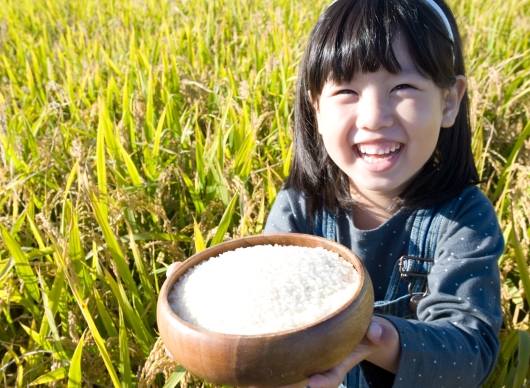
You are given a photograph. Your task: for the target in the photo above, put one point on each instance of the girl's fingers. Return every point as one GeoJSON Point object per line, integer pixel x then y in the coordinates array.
{"type": "Point", "coordinates": [382, 333]}
{"type": "Point", "coordinates": [335, 376]}
{"type": "Point", "coordinates": [171, 269]}
{"type": "Point", "coordinates": [380, 336]}
{"type": "Point", "coordinates": [385, 345]}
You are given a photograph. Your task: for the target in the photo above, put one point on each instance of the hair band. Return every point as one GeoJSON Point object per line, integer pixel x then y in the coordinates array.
{"type": "Point", "coordinates": [438, 10]}
{"type": "Point", "coordinates": [441, 13]}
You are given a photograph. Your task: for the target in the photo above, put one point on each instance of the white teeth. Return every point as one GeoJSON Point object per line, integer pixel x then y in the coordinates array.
{"type": "Point", "coordinates": [374, 149]}
{"type": "Point", "coordinates": [371, 160]}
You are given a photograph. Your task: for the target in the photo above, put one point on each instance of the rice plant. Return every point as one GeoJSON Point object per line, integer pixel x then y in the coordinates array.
{"type": "Point", "coordinates": [134, 133]}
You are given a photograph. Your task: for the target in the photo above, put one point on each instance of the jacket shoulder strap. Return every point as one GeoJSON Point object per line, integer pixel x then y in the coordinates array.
{"type": "Point", "coordinates": [326, 225]}
{"type": "Point", "coordinates": [414, 268]}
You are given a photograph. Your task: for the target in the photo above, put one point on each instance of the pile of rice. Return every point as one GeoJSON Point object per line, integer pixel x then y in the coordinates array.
{"type": "Point", "coordinates": [263, 289]}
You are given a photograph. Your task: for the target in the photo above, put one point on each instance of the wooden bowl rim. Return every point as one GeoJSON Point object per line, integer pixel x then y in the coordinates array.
{"type": "Point", "coordinates": [169, 282]}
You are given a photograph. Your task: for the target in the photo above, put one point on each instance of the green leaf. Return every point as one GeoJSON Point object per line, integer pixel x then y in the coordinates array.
{"type": "Point", "coordinates": [261, 217]}
{"type": "Point", "coordinates": [100, 343]}
{"type": "Point", "coordinates": [39, 339]}
{"type": "Point", "coordinates": [113, 246]}
{"type": "Point", "coordinates": [133, 318]}
{"type": "Point", "coordinates": [520, 259]}
{"type": "Point", "coordinates": [244, 155]}
{"type": "Point", "coordinates": [105, 316]}
{"type": "Point", "coordinates": [50, 316]}
{"type": "Point", "coordinates": [504, 363]}
{"type": "Point", "coordinates": [125, 362]}
{"type": "Point", "coordinates": [75, 249]}
{"type": "Point", "coordinates": [27, 303]}
{"type": "Point", "coordinates": [175, 377]}
{"type": "Point", "coordinates": [106, 124]}
{"type": "Point", "coordinates": [6, 267]}
{"type": "Point", "coordinates": [55, 375]}
{"type": "Point", "coordinates": [5, 360]}
{"type": "Point", "coordinates": [199, 150]}
{"type": "Point", "coordinates": [140, 267]}
{"type": "Point", "coordinates": [523, 359]}
{"type": "Point", "coordinates": [33, 227]}
{"type": "Point", "coordinates": [287, 161]}
{"type": "Point", "coordinates": [146, 236]}
{"type": "Point", "coordinates": [38, 253]}
{"type": "Point", "coordinates": [131, 167]}
{"type": "Point", "coordinates": [271, 189]}
{"type": "Point", "coordinates": [101, 167]}
{"type": "Point", "coordinates": [508, 170]}
{"type": "Point", "coordinates": [75, 374]}
{"type": "Point", "coordinates": [22, 266]}
{"type": "Point", "coordinates": [71, 178]}
{"type": "Point", "coordinates": [53, 300]}
{"type": "Point", "coordinates": [197, 235]}
{"type": "Point", "coordinates": [195, 196]}
{"type": "Point", "coordinates": [225, 221]}
{"type": "Point", "coordinates": [158, 133]}
{"type": "Point", "coordinates": [149, 109]}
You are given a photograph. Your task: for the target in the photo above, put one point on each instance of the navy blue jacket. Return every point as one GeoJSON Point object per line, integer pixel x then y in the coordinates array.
{"type": "Point", "coordinates": [454, 340]}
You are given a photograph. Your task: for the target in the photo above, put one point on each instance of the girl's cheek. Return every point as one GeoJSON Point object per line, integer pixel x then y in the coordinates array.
{"type": "Point", "coordinates": [418, 110]}
{"type": "Point", "coordinates": [409, 109]}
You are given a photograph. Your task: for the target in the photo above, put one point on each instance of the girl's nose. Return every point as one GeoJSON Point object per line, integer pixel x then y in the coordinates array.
{"type": "Point", "coordinates": [373, 111]}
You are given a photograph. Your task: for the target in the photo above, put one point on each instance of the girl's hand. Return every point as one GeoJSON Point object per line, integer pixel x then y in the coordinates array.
{"type": "Point", "coordinates": [380, 346]}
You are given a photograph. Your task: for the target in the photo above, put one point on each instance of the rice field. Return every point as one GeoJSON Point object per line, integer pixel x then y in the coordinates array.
{"type": "Point", "coordinates": [134, 133]}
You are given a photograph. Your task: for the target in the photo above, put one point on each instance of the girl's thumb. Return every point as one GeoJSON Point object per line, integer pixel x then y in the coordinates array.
{"type": "Point", "coordinates": [375, 331]}
{"type": "Point", "coordinates": [382, 333]}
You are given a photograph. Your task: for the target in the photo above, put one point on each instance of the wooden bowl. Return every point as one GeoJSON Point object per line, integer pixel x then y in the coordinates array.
{"type": "Point", "coordinates": [274, 359]}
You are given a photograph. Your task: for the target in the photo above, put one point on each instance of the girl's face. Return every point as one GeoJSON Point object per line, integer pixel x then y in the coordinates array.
{"type": "Point", "coordinates": [381, 128]}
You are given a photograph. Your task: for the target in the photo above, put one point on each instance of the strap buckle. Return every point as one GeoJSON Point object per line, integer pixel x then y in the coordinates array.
{"type": "Point", "coordinates": [414, 299]}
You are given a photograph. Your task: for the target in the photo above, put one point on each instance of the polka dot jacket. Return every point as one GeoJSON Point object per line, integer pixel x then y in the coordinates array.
{"type": "Point", "coordinates": [454, 342]}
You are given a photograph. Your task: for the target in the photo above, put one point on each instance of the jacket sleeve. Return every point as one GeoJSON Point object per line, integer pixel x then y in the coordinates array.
{"type": "Point", "coordinates": [454, 343]}
{"type": "Point", "coordinates": [288, 214]}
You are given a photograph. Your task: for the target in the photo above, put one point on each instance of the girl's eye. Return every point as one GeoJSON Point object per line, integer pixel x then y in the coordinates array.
{"type": "Point", "coordinates": [346, 91]}
{"type": "Point", "coordinates": [403, 86]}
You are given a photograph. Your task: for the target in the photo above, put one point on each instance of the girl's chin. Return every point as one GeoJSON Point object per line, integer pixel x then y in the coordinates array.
{"type": "Point", "coordinates": [369, 185]}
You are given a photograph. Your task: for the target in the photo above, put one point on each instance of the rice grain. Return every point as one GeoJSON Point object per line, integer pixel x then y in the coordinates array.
{"type": "Point", "coordinates": [263, 289]}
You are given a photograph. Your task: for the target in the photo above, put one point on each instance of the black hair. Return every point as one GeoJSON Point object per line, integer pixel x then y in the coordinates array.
{"type": "Point", "coordinates": [356, 36]}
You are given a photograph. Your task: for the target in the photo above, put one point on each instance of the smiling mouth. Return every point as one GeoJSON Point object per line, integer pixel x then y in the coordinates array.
{"type": "Point", "coordinates": [378, 153]}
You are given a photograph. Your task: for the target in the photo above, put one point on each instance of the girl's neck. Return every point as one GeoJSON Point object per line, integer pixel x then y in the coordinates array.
{"type": "Point", "coordinates": [373, 210]}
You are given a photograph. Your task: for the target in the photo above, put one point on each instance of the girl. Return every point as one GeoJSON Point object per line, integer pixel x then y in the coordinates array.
{"type": "Point", "coordinates": [382, 164]}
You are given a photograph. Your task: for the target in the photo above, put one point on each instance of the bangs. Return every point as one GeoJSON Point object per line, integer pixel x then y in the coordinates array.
{"type": "Point", "coordinates": [356, 37]}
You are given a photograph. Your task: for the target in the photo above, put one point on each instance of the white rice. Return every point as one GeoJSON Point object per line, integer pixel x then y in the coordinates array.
{"type": "Point", "coordinates": [263, 289]}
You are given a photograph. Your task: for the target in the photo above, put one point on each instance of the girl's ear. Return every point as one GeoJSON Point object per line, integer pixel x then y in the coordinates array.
{"type": "Point", "coordinates": [452, 101]}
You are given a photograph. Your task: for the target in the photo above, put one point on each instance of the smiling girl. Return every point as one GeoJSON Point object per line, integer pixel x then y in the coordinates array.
{"type": "Point", "coordinates": [383, 164]}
